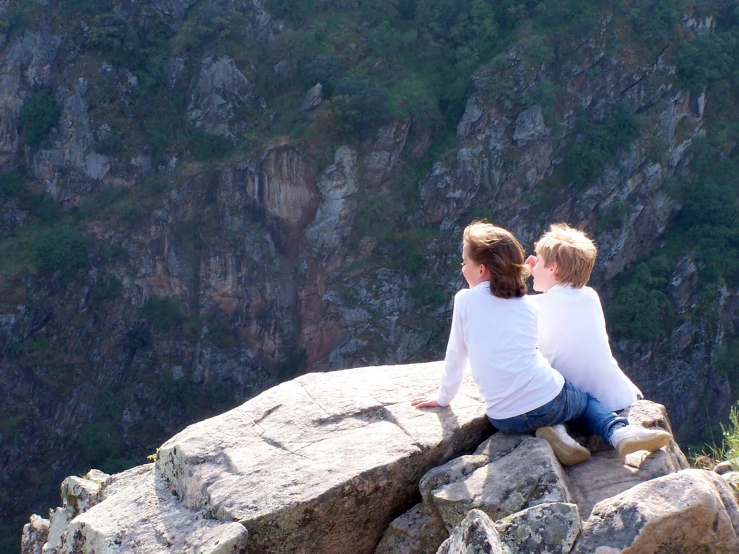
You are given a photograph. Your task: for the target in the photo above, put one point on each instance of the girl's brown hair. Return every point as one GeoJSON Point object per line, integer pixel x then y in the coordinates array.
{"type": "Point", "coordinates": [499, 251]}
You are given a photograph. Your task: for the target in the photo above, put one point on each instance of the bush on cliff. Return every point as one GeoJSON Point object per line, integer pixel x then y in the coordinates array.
{"type": "Point", "coordinates": [62, 250]}
{"type": "Point", "coordinates": [38, 115]}
{"type": "Point", "coordinates": [163, 313]}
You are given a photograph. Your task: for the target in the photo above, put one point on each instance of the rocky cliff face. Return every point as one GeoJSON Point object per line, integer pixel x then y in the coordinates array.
{"type": "Point", "coordinates": [213, 270]}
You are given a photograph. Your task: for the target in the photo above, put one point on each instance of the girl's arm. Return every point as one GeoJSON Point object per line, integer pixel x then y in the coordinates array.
{"type": "Point", "coordinates": [454, 363]}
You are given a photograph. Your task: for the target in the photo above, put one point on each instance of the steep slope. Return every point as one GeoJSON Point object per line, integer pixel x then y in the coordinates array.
{"type": "Point", "coordinates": [187, 219]}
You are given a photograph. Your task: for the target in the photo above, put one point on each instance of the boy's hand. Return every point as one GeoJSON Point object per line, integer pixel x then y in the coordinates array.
{"type": "Point", "coordinates": [531, 261]}
{"type": "Point", "coordinates": [425, 403]}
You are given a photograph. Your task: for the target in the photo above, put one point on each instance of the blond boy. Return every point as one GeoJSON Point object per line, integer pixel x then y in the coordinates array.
{"type": "Point", "coordinates": [571, 325]}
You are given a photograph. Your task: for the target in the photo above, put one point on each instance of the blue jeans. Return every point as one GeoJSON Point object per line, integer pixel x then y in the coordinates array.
{"type": "Point", "coordinates": [570, 405]}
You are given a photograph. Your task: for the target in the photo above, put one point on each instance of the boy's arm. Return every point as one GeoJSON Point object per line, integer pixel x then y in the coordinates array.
{"type": "Point", "coordinates": [454, 364]}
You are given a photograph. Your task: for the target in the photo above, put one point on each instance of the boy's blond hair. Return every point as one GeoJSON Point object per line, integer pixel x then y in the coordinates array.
{"type": "Point", "coordinates": [572, 250]}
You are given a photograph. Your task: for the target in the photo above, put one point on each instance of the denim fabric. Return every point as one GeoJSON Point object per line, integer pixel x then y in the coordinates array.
{"type": "Point", "coordinates": [570, 405]}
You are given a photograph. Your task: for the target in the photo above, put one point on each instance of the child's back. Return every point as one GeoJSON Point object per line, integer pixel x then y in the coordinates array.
{"type": "Point", "coordinates": [573, 338]}
{"type": "Point", "coordinates": [572, 328]}
{"type": "Point", "coordinates": [497, 336]}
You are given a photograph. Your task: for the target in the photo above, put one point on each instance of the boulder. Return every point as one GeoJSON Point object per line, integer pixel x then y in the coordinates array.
{"type": "Point", "coordinates": [313, 98]}
{"type": "Point", "coordinates": [528, 476]}
{"type": "Point", "coordinates": [414, 532]}
{"type": "Point", "coordinates": [450, 472]}
{"type": "Point", "coordinates": [476, 533]}
{"type": "Point", "coordinates": [81, 493]}
{"type": "Point", "coordinates": [140, 515]}
{"type": "Point", "coordinates": [725, 466]}
{"type": "Point", "coordinates": [326, 460]}
{"type": "Point", "coordinates": [690, 511]}
{"type": "Point", "coordinates": [732, 479]}
{"type": "Point", "coordinates": [606, 474]}
{"type": "Point", "coordinates": [550, 528]}
{"type": "Point", "coordinates": [35, 535]}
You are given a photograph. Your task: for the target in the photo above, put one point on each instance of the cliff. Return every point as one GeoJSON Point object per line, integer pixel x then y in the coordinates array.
{"type": "Point", "coordinates": [324, 463]}
{"type": "Point", "coordinates": [186, 219]}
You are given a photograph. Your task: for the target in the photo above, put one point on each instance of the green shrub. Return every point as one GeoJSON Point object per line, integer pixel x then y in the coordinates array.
{"type": "Point", "coordinates": [108, 406]}
{"type": "Point", "coordinates": [98, 442]}
{"type": "Point", "coordinates": [292, 10]}
{"type": "Point", "coordinates": [359, 106]}
{"type": "Point", "coordinates": [654, 22]}
{"type": "Point", "coordinates": [107, 288]}
{"type": "Point", "coordinates": [727, 450]}
{"type": "Point", "coordinates": [428, 293]}
{"type": "Point", "coordinates": [292, 365]}
{"type": "Point", "coordinates": [177, 395]}
{"type": "Point", "coordinates": [218, 394]}
{"type": "Point", "coordinates": [596, 144]}
{"type": "Point", "coordinates": [640, 308]}
{"type": "Point", "coordinates": [61, 250]}
{"type": "Point", "coordinates": [113, 35]}
{"type": "Point", "coordinates": [11, 184]}
{"type": "Point", "coordinates": [326, 70]}
{"type": "Point", "coordinates": [728, 364]}
{"type": "Point", "coordinates": [38, 115]}
{"type": "Point", "coordinates": [220, 334]}
{"type": "Point", "coordinates": [162, 313]}
{"type": "Point", "coordinates": [207, 147]}
{"type": "Point", "coordinates": [76, 8]}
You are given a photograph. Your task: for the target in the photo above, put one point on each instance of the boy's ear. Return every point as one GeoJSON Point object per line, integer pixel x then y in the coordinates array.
{"type": "Point", "coordinates": [554, 268]}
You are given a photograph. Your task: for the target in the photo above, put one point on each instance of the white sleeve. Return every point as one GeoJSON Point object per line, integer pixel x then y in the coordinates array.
{"type": "Point", "coordinates": [536, 304]}
{"type": "Point", "coordinates": [455, 360]}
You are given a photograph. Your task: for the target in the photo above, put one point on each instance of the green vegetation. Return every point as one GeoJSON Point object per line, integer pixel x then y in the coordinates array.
{"type": "Point", "coordinates": [596, 144]}
{"type": "Point", "coordinates": [641, 308]}
{"type": "Point", "coordinates": [728, 364]}
{"type": "Point", "coordinates": [38, 115]}
{"type": "Point", "coordinates": [162, 313]}
{"type": "Point", "coordinates": [727, 450]}
{"type": "Point", "coordinates": [62, 250]}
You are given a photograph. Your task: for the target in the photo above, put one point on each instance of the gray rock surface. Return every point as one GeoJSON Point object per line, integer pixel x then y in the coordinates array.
{"type": "Point", "coordinates": [313, 98]}
{"type": "Point", "coordinates": [476, 533]}
{"type": "Point", "coordinates": [414, 532]}
{"type": "Point", "coordinates": [139, 514]}
{"type": "Point", "coordinates": [528, 476]}
{"type": "Point", "coordinates": [551, 528]}
{"type": "Point", "coordinates": [338, 186]}
{"type": "Point", "coordinates": [606, 474]}
{"type": "Point", "coordinates": [35, 535]}
{"type": "Point", "coordinates": [689, 511]}
{"type": "Point", "coordinates": [217, 93]}
{"type": "Point", "coordinates": [529, 125]}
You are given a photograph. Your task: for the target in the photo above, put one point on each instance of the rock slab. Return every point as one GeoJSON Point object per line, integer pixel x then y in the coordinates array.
{"type": "Point", "coordinates": [322, 463]}
{"type": "Point", "coordinates": [689, 511]}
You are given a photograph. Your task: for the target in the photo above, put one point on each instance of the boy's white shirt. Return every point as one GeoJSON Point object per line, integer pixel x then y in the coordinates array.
{"type": "Point", "coordinates": [497, 339]}
{"type": "Point", "coordinates": [573, 338]}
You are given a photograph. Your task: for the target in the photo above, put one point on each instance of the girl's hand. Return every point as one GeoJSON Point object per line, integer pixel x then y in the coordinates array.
{"type": "Point", "coordinates": [531, 261]}
{"type": "Point", "coordinates": [425, 403]}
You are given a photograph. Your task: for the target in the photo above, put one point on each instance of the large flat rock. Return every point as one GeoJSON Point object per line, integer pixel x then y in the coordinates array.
{"type": "Point", "coordinates": [324, 462]}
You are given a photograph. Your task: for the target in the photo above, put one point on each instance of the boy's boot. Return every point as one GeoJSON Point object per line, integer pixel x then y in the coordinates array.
{"type": "Point", "coordinates": [630, 438]}
{"type": "Point", "coordinates": [568, 451]}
